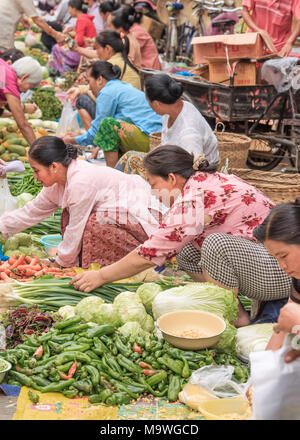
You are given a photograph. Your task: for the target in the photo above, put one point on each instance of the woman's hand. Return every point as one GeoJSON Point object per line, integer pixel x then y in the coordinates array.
{"type": "Point", "coordinates": [68, 139]}
{"type": "Point", "coordinates": [73, 94]}
{"type": "Point", "coordinates": [88, 281]}
{"type": "Point", "coordinates": [60, 38]}
{"type": "Point", "coordinates": [289, 319]}
{"type": "Point", "coordinates": [31, 108]}
{"type": "Point", "coordinates": [287, 48]}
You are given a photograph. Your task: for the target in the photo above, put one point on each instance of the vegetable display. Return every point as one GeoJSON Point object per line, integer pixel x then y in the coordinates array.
{"type": "Point", "coordinates": [77, 359]}
{"type": "Point", "coordinates": [22, 243]}
{"type": "Point", "coordinates": [22, 321]}
{"type": "Point", "coordinates": [49, 104]}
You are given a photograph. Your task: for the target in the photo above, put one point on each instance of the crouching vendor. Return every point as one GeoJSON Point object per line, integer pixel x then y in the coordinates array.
{"type": "Point", "coordinates": [105, 213]}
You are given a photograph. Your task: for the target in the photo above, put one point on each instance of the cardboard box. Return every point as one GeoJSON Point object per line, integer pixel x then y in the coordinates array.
{"type": "Point", "coordinates": [233, 47]}
{"type": "Point", "coordinates": [154, 28]}
{"type": "Point", "coordinates": [245, 73]}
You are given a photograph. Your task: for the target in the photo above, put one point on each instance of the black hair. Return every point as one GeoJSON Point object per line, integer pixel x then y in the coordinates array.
{"type": "Point", "coordinates": [167, 159]}
{"type": "Point", "coordinates": [108, 6]}
{"type": "Point", "coordinates": [281, 224]}
{"type": "Point", "coordinates": [125, 17]}
{"type": "Point", "coordinates": [12, 55]}
{"type": "Point", "coordinates": [113, 39]}
{"type": "Point", "coordinates": [105, 69]}
{"type": "Point", "coordinates": [78, 4]}
{"type": "Point", "coordinates": [49, 149]}
{"type": "Point", "coordinates": [161, 87]}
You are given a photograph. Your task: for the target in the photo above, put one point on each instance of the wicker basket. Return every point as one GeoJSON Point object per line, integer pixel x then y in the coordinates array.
{"type": "Point", "coordinates": [279, 187]}
{"type": "Point", "coordinates": [154, 140]}
{"type": "Point", "coordinates": [233, 147]}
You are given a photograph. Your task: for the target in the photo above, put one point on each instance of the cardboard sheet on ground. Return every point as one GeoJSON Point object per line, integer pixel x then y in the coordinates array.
{"type": "Point", "coordinates": [54, 406]}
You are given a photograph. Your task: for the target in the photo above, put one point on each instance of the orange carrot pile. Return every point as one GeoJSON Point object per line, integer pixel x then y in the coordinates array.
{"type": "Point", "coordinates": [24, 268]}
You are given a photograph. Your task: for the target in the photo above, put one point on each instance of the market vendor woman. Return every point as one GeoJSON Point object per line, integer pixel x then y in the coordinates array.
{"type": "Point", "coordinates": [24, 74]}
{"type": "Point", "coordinates": [202, 203]}
{"type": "Point", "coordinates": [105, 214]}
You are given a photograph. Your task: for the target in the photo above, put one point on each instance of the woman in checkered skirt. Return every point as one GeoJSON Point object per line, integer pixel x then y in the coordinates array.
{"type": "Point", "coordinates": [209, 227]}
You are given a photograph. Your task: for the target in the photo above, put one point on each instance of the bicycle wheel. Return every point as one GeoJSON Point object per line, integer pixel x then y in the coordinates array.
{"type": "Point", "coordinates": [265, 155]}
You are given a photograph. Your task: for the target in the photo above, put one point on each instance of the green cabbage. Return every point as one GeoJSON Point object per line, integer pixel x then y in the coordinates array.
{"type": "Point", "coordinates": [88, 308]}
{"type": "Point", "coordinates": [130, 308]}
{"type": "Point", "coordinates": [197, 296]}
{"type": "Point", "coordinates": [107, 314]}
{"type": "Point", "coordinates": [132, 330]}
{"type": "Point", "coordinates": [147, 292]}
{"type": "Point", "coordinates": [66, 311]}
{"type": "Point", "coordinates": [227, 341]}
{"type": "Point", "coordinates": [253, 338]}
{"type": "Point", "coordinates": [24, 198]}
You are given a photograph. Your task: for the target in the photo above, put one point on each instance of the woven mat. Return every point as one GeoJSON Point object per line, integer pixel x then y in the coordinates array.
{"type": "Point", "coordinates": [55, 406]}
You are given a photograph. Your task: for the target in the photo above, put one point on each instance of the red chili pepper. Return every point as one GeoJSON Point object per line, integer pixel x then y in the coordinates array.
{"type": "Point", "coordinates": [72, 370]}
{"type": "Point", "coordinates": [144, 365]}
{"type": "Point", "coordinates": [137, 348]}
{"type": "Point", "coordinates": [149, 372]}
{"type": "Point", "coordinates": [38, 352]}
{"type": "Point", "coordinates": [64, 376]}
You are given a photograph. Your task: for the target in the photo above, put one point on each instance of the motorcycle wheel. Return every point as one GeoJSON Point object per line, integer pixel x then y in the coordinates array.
{"type": "Point", "coordinates": [265, 155]}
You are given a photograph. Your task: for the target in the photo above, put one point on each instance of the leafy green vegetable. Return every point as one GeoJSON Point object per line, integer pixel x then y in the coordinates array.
{"type": "Point", "coordinates": [132, 330]}
{"type": "Point", "coordinates": [49, 104]}
{"type": "Point", "coordinates": [88, 308]}
{"type": "Point", "coordinates": [147, 292]}
{"type": "Point", "coordinates": [23, 198]}
{"type": "Point", "coordinates": [197, 296]}
{"type": "Point", "coordinates": [253, 338]}
{"type": "Point", "coordinates": [130, 308]}
{"type": "Point", "coordinates": [227, 341]}
{"type": "Point", "coordinates": [107, 314]}
{"type": "Point", "coordinates": [66, 311]}
{"type": "Point", "coordinates": [149, 324]}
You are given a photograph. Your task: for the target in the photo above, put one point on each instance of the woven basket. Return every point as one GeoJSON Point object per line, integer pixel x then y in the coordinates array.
{"type": "Point", "coordinates": [154, 140]}
{"type": "Point", "coordinates": [279, 187]}
{"type": "Point", "coordinates": [233, 147]}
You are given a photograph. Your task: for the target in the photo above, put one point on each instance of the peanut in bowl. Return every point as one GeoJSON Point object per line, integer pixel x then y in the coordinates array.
{"type": "Point", "coordinates": [191, 329]}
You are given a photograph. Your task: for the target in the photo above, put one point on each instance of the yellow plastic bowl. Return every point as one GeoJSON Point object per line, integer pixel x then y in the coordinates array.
{"type": "Point", "coordinates": [236, 408]}
{"type": "Point", "coordinates": [185, 320]}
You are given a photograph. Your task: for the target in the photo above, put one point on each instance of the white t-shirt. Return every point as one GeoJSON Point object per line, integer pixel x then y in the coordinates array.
{"type": "Point", "coordinates": [191, 132]}
{"type": "Point", "coordinates": [11, 12]}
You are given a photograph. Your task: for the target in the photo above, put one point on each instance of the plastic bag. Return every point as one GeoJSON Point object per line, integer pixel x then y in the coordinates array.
{"type": "Point", "coordinates": [280, 72]}
{"type": "Point", "coordinates": [68, 121]}
{"type": "Point", "coordinates": [275, 384]}
{"type": "Point", "coordinates": [218, 380]}
{"type": "Point", "coordinates": [8, 202]}
{"type": "Point", "coordinates": [30, 40]}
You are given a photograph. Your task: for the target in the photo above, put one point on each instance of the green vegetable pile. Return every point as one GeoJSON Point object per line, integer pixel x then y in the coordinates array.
{"type": "Point", "coordinates": [3, 365]}
{"type": "Point", "coordinates": [78, 359]}
{"type": "Point", "coordinates": [25, 183]}
{"type": "Point", "coordinates": [69, 79]}
{"type": "Point", "coordinates": [22, 243]}
{"type": "Point", "coordinates": [49, 104]}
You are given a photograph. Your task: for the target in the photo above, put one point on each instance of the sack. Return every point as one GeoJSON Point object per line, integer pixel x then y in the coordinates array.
{"type": "Point", "coordinates": [275, 384]}
{"type": "Point", "coordinates": [30, 40]}
{"type": "Point", "coordinates": [8, 202]}
{"type": "Point", "coordinates": [68, 121]}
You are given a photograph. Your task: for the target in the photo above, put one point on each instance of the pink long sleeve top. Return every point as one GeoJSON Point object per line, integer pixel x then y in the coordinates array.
{"type": "Point", "coordinates": [208, 203]}
{"type": "Point", "coordinates": [88, 189]}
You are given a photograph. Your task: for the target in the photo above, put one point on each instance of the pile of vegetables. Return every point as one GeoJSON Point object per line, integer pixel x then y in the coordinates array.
{"type": "Point", "coordinates": [80, 359]}
{"type": "Point", "coordinates": [22, 244]}
{"type": "Point", "coordinates": [49, 104]}
{"type": "Point", "coordinates": [68, 80]}
{"type": "Point", "coordinates": [25, 183]}
{"type": "Point", "coordinates": [24, 320]}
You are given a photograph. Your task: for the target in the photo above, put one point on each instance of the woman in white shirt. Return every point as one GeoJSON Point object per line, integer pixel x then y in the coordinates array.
{"type": "Point", "coordinates": [182, 124]}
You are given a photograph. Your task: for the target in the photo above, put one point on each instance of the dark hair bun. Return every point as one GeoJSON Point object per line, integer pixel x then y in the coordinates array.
{"type": "Point", "coordinates": [116, 70]}
{"type": "Point", "coordinates": [175, 88]}
{"type": "Point", "coordinates": [297, 201]}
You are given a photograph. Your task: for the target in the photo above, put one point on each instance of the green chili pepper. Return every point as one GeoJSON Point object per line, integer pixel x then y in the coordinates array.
{"type": "Point", "coordinates": [46, 351]}
{"type": "Point", "coordinates": [128, 364]}
{"type": "Point", "coordinates": [61, 339]}
{"type": "Point", "coordinates": [84, 340]}
{"type": "Point", "coordinates": [95, 398]}
{"type": "Point", "coordinates": [64, 367]}
{"type": "Point", "coordinates": [99, 345]}
{"type": "Point", "coordinates": [94, 374]}
{"type": "Point", "coordinates": [75, 328]}
{"type": "Point", "coordinates": [32, 340]}
{"type": "Point", "coordinates": [186, 369]}
{"type": "Point", "coordinates": [28, 348]}
{"type": "Point", "coordinates": [125, 388]}
{"type": "Point", "coordinates": [100, 330]}
{"type": "Point", "coordinates": [42, 368]}
{"type": "Point", "coordinates": [81, 347]}
{"type": "Point", "coordinates": [123, 349]}
{"type": "Point", "coordinates": [54, 347]}
{"type": "Point", "coordinates": [41, 381]}
{"type": "Point", "coordinates": [72, 356]}
{"type": "Point", "coordinates": [157, 378]}
{"type": "Point", "coordinates": [67, 322]}
{"type": "Point", "coordinates": [118, 399]}
{"type": "Point", "coordinates": [21, 378]}
{"type": "Point", "coordinates": [174, 388]}
{"type": "Point", "coordinates": [84, 385]}
{"type": "Point", "coordinates": [56, 387]}
{"type": "Point", "coordinates": [174, 365]}
{"type": "Point", "coordinates": [111, 361]}
{"type": "Point", "coordinates": [70, 393]}
{"type": "Point", "coordinates": [92, 355]}
{"type": "Point", "coordinates": [33, 397]}
{"type": "Point", "coordinates": [105, 394]}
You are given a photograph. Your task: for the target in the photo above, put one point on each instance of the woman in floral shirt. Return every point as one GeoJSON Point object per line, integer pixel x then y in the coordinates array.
{"type": "Point", "coordinates": [204, 205]}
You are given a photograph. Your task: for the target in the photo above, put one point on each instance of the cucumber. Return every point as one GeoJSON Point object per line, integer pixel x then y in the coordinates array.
{"type": "Point", "coordinates": [16, 141]}
{"type": "Point", "coordinates": [5, 157]}
{"type": "Point", "coordinates": [2, 150]}
{"type": "Point", "coordinates": [17, 149]}
{"type": "Point", "coordinates": [9, 136]}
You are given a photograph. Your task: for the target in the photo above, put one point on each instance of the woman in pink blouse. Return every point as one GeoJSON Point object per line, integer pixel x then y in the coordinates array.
{"type": "Point", "coordinates": [204, 205]}
{"type": "Point", "coordinates": [105, 212]}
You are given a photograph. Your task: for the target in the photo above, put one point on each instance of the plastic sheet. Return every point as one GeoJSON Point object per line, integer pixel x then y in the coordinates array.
{"type": "Point", "coordinates": [282, 73]}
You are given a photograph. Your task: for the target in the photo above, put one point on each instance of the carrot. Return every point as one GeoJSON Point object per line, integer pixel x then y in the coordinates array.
{"type": "Point", "coordinates": [28, 259]}
{"type": "Point", "coordinates": [4, 277]}
{"type": "Point", "coordinates": [54, 269]}
{"type": "Point", "coordinates": [19, 261]}
{"type": "Point", "coordinates": [35, 261]}
{"type": "Point", "coordinates": [40, 273]}
{"type": "Point", "coordinates": [12, 259]}
{"type": "Point", "coordinates": [29, 267]}
{"type": "Point", "coordinates": [28, 272]}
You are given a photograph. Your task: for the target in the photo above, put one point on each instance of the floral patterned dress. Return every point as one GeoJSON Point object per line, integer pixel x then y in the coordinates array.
{"type": "Point", "coordinates": [209, 203]}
